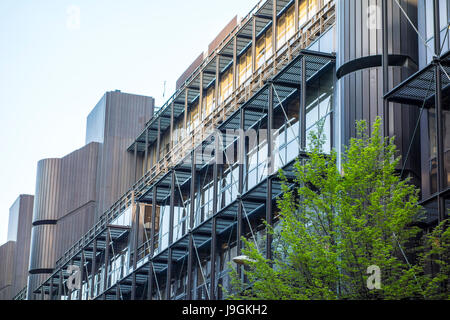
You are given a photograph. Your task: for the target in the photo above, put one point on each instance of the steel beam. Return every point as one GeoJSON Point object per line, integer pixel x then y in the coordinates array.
{"type": "Point", "coordinates": [135, 161]}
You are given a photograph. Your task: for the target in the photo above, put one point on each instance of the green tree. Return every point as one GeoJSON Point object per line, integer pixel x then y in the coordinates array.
{"type": "Point", "coordinates": [335, 224]}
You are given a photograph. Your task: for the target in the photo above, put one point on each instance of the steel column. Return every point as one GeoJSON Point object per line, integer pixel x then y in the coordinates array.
{"type": "Point", "coordinates": [80, 293]}
{"type": "Point", "coordinates": [385, 64]}
{"type": "Point", "coordinates": [253, 45]}
{"type": "Point", "coordinates": [296, 16]}
{"type": "Point", "coordinates": [241, 156]}
{"type": "Point", "coordinates": [158, 142]}
{"type": "Point", "coordinates": [234, 63]}
{"type": "Point", "coordinates": [438, 108]}
{"type": "Point", "coordinates": [171, 125]}
{"type": "Point", "coordinates": [212, 286]}
{"type": "Point", "coordinates": [217, 83]}
{"type": "Point", "coordinates": [171, 214]}
{"type": "Point", "coordinates": [135, 161]}
{"type": "Point", "coordinates": [136, 245]}
{"type": "Point", "coordinates": [270, 167]}
{"type": "Point", "coordinates": [274, 32]}
{"type": "Point", "coordinates": [191, 226]}
{"type": "Point", "coordinates": [105, 275]}
{"type": "Point", "coordinates": [93, 267]}
{"type": "Point", "coordinates": [186, 101]}
{"type": "Point", "coordinates": [146, 152]}
{"type": "Point", "coordinates": [69, 297]}
{"type": "Point", "coordinates": [51, 289]}
{"type": "Point", "coordinates": [152, 244]}
{"type": "Point", "coordinates": [60, 285]}
{"type": "Point", "coordinates": [302, 119]}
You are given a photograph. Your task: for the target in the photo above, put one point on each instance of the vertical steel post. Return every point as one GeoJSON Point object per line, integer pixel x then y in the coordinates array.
{"type": "Point", "coordinates": [135, 161]}
{"type": "Point", "coordinates": [158, 142]}
{"type": "Point", "coordinates": [217, 83]}
{"type": "Point", "coordinates": [274, 32]}
{"type": "Point", "coordinates": [80, 293]}
{"type": "Point", "coordinates": [385, 64]}
{"type": "Point", "coordinates": [212, 287]}
{"type": "Point", "coordinates": [152, 244]}
{"type": "Point", "coordinates": [302, 119]}
{"type": "Point", "coordinates": [60, 285]}
{"type": "Point", "coordinates": [186, 102]}
{"type": "Point", "coordinates": [171, 124]}
{"type": "Point", "coordinates": [171, 218]}
{"type": "Point", "coordinates": [51, 289]}
{"type": "Point", "coordinates": [93, 267]}
{"type": "Point", "coordinates": [191, 226]}
{"type": "Point", "coordinates": [270, 167]}
{"type": "Point", "coordinates": [296, 16]}
{"type": "Point", "coordinates": [235, 77]}
{"type": "Point", "coordinates": [438, 108]}
{"type": "Point", "coordinates": [105, 275]}
{"type": "Point", "coordinates": [146, 152]}
{"type": "Point", "coordinates": [253, 45]}
{"type": "Point", "coordinates": [241, 156]}
{"type": "Point", "coordinates": [135, 246]}
{"type": "Point", "coordinates": [70, 290]}
{"type": "Point", "coordinates": [200, 100]}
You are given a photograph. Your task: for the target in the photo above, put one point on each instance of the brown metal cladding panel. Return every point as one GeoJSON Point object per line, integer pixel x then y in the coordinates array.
{"type": "Point", "coordinates": [73, 226]}
{"type": "Point", "coordinates": [47, 190]}
{"type": "Point", "coordinates": [22, 252]}
{"type": "Point", "coordinates": [126, 116]}
{"type": "Point", "coordinates": [78, 179]}
{"type": "Point", "coordinates": [362, 91]}
{"type": "Point", "coordinates": [43, 247]}
{"type": "Point", "coordinates": [222, 34]}
{"type": "Point", "coordinates": [189, 71]}
{"type": "Point", "coordinates": [6, 270]}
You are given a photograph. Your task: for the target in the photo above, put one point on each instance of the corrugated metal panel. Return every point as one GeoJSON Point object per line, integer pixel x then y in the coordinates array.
{"type": "Point", "coordinates": [23, 209]}
{"type": "Point", "coordinates": [362, 91]}
{"type": "Point", "coordinates": [43, 244]}
{"type": "Point", "coordinates": [47, 190]}
{"type": "Point", "coordinates": [126, 116]}
{"type": "Point", "coordinates": [6, 270]}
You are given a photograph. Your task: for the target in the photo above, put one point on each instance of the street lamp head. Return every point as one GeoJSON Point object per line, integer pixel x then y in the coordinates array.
{"type": "Point", "coordinates": [242, 260]}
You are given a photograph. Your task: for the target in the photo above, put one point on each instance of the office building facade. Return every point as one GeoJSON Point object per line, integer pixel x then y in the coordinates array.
{"type": "Point", "coordinates": [205, 164]}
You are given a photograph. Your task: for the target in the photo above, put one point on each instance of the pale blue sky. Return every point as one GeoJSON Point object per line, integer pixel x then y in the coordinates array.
{"type": "Point", "coordinates": [53, 73]}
